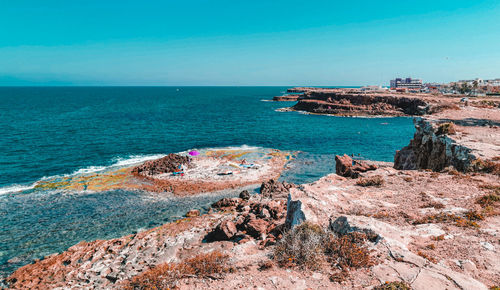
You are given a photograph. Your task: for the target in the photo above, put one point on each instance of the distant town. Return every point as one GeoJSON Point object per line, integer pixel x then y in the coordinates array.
{"type": "Point", "coordinates": [474, 88]}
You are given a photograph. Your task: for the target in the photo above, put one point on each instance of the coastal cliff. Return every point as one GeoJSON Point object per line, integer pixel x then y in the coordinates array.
{"type": "Point", "coordinates": [354, 103]}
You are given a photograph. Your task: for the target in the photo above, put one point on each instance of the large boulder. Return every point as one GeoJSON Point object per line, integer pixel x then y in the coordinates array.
{"type": "Point", "coordinates": [224, 231]}
{"type": "Point", "coordinates": [347, 167]}
{"type": "Point", "coordinates": [256, 227]}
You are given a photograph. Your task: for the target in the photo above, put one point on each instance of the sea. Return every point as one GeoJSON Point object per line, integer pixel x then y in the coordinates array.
{"type": "Point", "coordinates": [65, 131]}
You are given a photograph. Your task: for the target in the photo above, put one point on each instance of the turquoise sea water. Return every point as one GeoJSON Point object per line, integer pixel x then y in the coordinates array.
{"type": "Point", "coordinates": [66, 130]}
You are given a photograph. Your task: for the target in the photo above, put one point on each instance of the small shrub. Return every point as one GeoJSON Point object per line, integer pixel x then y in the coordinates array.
{"type": "Point", "coordinates": [473, 215]}
{"type": "Point", "coordinates": [376, 180]}
{"type": "Point", "coordinates": [487, 166]}
{"type": "Point", "coordinates": [265, 265]}
{"type": "Point", "coordinates": [438, 238]}
{"type": "Point", "coordinates": [348, 251]}
{"type": "Point", "coordinates": [427, 257]}
{"type": "Point", "coordinates": [446, 218]}
{"type": "Point", "coordinates": [488, 200]}
{"type": "Point", "coordinates": [446, 128]}
{"type": "Point", "coordinates": [430, 247]}
{"type": "Point", "coordinates": [339, 276]}
{"type": "Point", "coordinates": [166, 276]}
{"type": "Point", "coordinates": [301, 246]}
{"type": "Point", "coordinates": [436, 205]}
{"type": "Point", "coordinates": [396, 285]}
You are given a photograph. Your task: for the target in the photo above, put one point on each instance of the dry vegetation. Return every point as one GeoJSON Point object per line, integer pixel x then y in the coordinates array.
{"type": "Point", "coordinates": [459, 221]}
{"type": "Point", "coordinates": [396, 285]}
{"type": "Point", "coordinates": [166, 276]}
{"type": "Point", "coordinates": [309, 246]}
{"type": "Point", "coordinates": [446, 129]}
{"type": "Point", "coordinates": [376, 180]}
{"type": "Point", "coordinates": [486, 166]}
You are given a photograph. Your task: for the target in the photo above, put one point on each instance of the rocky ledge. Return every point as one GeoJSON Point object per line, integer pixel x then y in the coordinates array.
{"type": "Point", "coordinates": [353, 102]}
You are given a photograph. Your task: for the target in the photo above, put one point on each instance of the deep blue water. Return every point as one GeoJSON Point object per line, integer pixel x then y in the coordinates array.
{"type": "Point", "coordinates": [55, 131]}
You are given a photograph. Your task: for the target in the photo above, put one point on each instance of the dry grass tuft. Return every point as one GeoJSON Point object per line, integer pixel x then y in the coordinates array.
{"type": "Point", "coordinates": [427, 257]}
{"type": "Point", "coordinates": [348, 251]}
{"type": "Point", "coordinates": [376, 180]}
{"type": "Point", "coordinates": [166, 276]}
{"type": "Point", "coordinates": [487, 166]}
{"type": "Point", "coordinates": [301, 246]}
{"type": "Point", "coordinates": [396, 285]}
{"type": "Point", "coordinates": [308, 246]}
{"type": "Point", "coordinates": [339, 276]}
{"type": "Point", "coordinates": [446, 129]}
{"type": "Point", "coordinates": [438, 238]}
{"type": "Point", "coordinates": [447, 218]}
{"type": "Point", "coordinates": [434, 204]}
{"type": "Point", "coordinates": [488, 200]}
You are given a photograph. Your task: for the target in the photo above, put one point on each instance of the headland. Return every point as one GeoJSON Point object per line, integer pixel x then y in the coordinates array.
{"type": "Point", "coordinates": [430, 220]}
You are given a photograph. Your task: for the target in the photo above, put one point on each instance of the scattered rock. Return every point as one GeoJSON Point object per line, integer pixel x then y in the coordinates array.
{"type": "Point", "coordinates": [245, 195]}
{"type": "Point", "coordinates": [273, 188]}
{"type": "Point", "coordinates": [256, 227]}
{"type": "Point", "coordinates": [193, 213]}
{"type": "Point", "coordinates": [347, 167]}
{"type": "Point", "coordinates": [226, 202]}
{"type": "Point", "coordinates": [225, 231]}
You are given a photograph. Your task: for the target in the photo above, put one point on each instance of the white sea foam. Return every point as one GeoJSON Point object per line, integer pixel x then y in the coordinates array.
{"type": "Point", "coordinates": [135, 159]}
{"type": "Point", "coordinates": [89, 169]}
{"type": "Point", "coordinates": [15, 188]}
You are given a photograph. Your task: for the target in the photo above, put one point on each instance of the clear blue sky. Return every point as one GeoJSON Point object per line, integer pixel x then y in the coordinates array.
{"type": "Point", "coordinates": [260, 42]}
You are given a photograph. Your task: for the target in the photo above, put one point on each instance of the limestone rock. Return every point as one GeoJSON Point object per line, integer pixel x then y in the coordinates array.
{"type": "Point", "coordinates": [297, 211]}
{"type": "Point", "coordinates": [430, 151]}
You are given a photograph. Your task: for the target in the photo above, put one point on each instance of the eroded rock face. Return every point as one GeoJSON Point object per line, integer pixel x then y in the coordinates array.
{"type": "Point", "coordinates": [348, 103]}
{"type": "Point", "coordinates": [430, 151]}
{"type": "Point", "coordinates": [165, 164]}
{"type": "Point", "coordinates": [347, 167]}
{"type": "Point", "coordinates": [273, 188]}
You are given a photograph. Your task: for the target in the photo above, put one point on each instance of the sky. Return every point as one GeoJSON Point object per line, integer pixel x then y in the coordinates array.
{"type": "Point", "coordinates": [239, 43]}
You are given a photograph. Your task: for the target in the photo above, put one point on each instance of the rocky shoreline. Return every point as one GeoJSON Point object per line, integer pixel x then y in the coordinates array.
{"type": "Point", "coordinates": [431, 220]}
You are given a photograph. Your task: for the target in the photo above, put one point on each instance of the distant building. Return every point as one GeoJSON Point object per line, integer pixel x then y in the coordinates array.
{"type": "Point", "coordinates": [407, 83]}
{"type": "Point", "coordinates": [373, 89]}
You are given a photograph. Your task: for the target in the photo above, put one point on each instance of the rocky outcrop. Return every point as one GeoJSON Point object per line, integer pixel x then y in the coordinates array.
{"type": "Point", "coordinates": [427, 150]}
{"type": "Point", "coordinates": [261, 220]}
{"type": "Point", "coordinates": [347, 167]}
{"type": "Point", "coordinates": [273, 188]}
{"type": "Point", "coordinates": [166, 164]}
{"type": "Point", "coordinates": [287, 98]}
{"type": "Point", "coordinates": [355, 103]}
{"type": "Point", "coordinates": [297, 211]}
